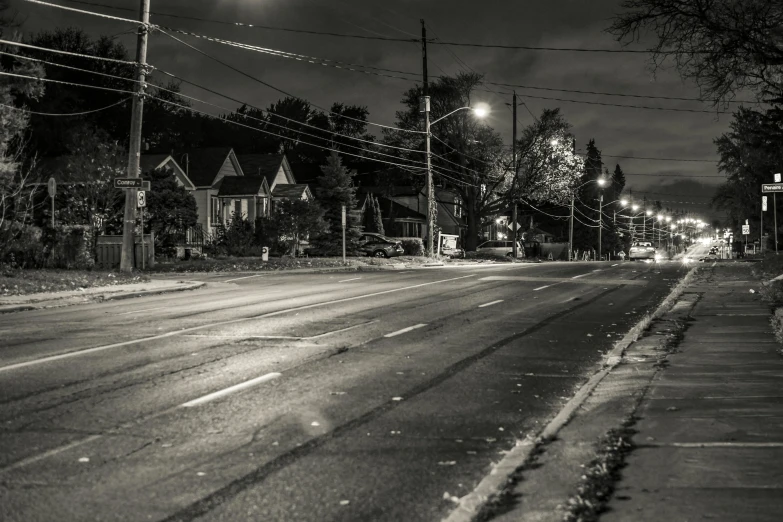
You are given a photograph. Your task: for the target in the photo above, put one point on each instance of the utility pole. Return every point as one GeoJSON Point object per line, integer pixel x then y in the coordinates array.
{"type": "Point", "coordinates": [571, 223]}
{"type": "Point", "coordinates": [426, 102]}
{"type": "Point", "coordinates": [134, 148]}
{"type": "Point", "coordinates": [514, 167]}
{"type": "Point", "coordinates": [600, 222]}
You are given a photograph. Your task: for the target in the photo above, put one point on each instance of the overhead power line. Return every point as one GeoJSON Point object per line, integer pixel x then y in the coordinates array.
{"type": "Point", "coordinates": [365, 37]}
{"type": "Point", "coordinates": [68, 53]}
{"type": "Point", "coordinates": [81, 11]}
{"type": "Point", "coordinates": [81, 113]}
{"type": "Point", "coordinates": [266, 84]}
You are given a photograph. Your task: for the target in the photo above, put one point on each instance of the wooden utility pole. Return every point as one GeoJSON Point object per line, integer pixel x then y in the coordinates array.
{"type": "Point", "coordinates": [514, 170]}
{"type": "Point", "coordinates": [426, 108]}
{"type": "Point", "coordinates": [134, 148]}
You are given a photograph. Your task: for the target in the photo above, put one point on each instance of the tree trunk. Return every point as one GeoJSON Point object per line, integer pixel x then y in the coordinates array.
{"type": "Point", "coordinates": [474, 223]}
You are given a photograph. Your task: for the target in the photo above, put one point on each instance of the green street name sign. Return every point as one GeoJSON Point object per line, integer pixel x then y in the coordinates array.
{"type": "Point", "coordinates": [772, 187]}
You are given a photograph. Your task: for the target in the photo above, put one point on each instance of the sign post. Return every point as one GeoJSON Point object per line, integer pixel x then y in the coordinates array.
{"type": "Point", "coordinates": [141, 202]}
{"type": "Point", "coordinates": [52, 188]}
{"type": "Point", "coordinates": [343, 222]}
{"type": "Point", "coordinates": [761, 232]}
{"type": "Point", "coordinates": [774, 188]}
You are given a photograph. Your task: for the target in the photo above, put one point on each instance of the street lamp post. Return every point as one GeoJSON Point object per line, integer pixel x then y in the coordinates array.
{"type": "Point", "coordinates": [601, 182]}
{"type": "Point", "coordinates": [431, 209]}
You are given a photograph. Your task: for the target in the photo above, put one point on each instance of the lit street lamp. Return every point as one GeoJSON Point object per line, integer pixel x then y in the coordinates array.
{"type": "Point", "coordinates": [479, 111]}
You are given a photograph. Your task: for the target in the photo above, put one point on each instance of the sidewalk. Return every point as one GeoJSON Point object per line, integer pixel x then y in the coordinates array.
{"type": "Point", "coordinates": [709, 441]}
{"type": "Point", "coordinates": [20, 303]}
{"type": "Point", "coordinates": [700, 395]}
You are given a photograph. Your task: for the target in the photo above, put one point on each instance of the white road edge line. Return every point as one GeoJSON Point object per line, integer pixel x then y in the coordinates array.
{"type": "Point", "coordinates": [230, 390]}
{"type": "Point", "coordinates": [212, 325]}
{"type": "Point", "coordinates": [243, 277]}
{"type": "Point", "coordinates": [491, 303]}
{"type": "Point", "coordinates": [405, 330]}
{"type": "Point", "coordinates": [340, 330]}
{"type": "Point", "coordinates": [541, 288]}
{"type": "Point", "coordinates": [580, 275]}
{"type": "Point", "coordinates": [346, 280]}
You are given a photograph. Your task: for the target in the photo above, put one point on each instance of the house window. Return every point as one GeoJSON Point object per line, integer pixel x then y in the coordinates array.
{"type": "Point", "coordinates": [457, 207]}
{"type": "Point", "coordinates": [215, 211]}
{"type": "Point", "coordinates": [262, 207]}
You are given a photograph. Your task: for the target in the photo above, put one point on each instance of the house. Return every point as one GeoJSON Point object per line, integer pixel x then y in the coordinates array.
{"type": "Point", "coordinates": [404, 210]}
{"type": "Point", "coordinates": [276, 171]}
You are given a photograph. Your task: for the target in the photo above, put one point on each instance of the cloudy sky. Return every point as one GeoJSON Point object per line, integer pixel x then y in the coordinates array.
{"type": "Point", "coordinates": [617, 131]}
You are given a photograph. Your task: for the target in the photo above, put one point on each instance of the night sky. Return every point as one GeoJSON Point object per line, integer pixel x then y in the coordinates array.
{"type": "Point", "coordinates": [554, 23]}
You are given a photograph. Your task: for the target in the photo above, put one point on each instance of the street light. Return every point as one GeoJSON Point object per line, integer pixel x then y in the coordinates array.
{"type": "Point", "coordinates": [480, 111]}
{"type": "Point", "coordinates": [600, 182]}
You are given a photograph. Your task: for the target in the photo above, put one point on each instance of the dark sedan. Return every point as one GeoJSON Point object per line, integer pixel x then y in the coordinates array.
{"type": "Point", "coordinates": [378, 245]}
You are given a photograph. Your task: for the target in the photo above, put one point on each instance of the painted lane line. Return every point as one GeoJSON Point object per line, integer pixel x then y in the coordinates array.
{"type": "Point", "coordinates": [243, 277]}
{"type": "Point", "coordinates": [231, 389]}
{"type": "Point", "coordinates": [140, 311]}
{"type": "Point", "coordinates": [346, 280]}
{"type": "Point", "coordinates": [46, 454]}
{"type": "Point", "coordinates": [615, 264]}
{"type": "Point", "coordinates": [86, 351]}
{"type": "Point", "coordinates": [580, 275]}
{"type": "Point", "coordinates": [491, 303]}
{"type": "Point", "coordinates": [541, 288]}
{"type": "Point", "coordinates": [405, 330]}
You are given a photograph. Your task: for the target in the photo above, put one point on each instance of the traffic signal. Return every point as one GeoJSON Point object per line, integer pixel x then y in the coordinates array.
{"type": "Point", "coordinates": [141, 199]}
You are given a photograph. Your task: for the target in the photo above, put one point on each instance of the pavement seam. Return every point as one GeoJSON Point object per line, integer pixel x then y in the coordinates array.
{"type": "Point", "coordinates": [493, 484]}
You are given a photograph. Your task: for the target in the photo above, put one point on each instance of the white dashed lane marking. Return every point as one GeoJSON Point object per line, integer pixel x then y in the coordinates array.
{"type": "Point", "coordinates": [346, 280]}
{"type": "Point", "coordinates": [491, 303]}
{"type": "Point", "coordinates": [231, 389]}
{"type": "Point", "coordinates": [405, 330]}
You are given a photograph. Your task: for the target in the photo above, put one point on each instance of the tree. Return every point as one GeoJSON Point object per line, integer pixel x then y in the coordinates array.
{"type": "Point", "coordinates": [725, 46]}
{"type": "Point", "coordinates": [93, 161]}
{"type": "Point", "coordinates": [335, 190]}
{"type": "Point", "coordinates": [468, 155]}
{"type": "Point", "coordinates": [296, 220]}
{"type": "Point", "coordinates": [377, 216]}
{"type": "Point", "coordinates": [749, 154]}
{"type": "Point", "coordinates": [16, 197]}
{"type": "Point", "coordinates": [170, 209]}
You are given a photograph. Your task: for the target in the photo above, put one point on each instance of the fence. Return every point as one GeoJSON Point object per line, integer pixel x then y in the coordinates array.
{"type": "Point", "coordinates": [109, 250]}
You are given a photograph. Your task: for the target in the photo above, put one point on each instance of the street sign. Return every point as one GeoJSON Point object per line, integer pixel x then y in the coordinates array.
{"type": "Point", "coordinates": [777, 177]}
{"type": "Point", "coordinates": [146, 185]}
{"type": "Point", "coordinates": [52, 186]}
{"type": "Point", "coordinates": [772, 187]}
{"type": "Point", "coordinates": [141, 199]}
{"type": "Point", "coordinates": [763, 203]}
{"type": "Point", "coordinates": [343, 216]}
{"type": "Point", "coordinates": [745, 230]}
{"type": "Point", "coordinates": [125, 183]}
{"type": "Point", "coordinates": [511, 226]}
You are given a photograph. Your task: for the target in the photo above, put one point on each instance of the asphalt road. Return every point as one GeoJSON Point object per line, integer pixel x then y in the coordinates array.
{"type": "Point", "coordinates": [309, 397]}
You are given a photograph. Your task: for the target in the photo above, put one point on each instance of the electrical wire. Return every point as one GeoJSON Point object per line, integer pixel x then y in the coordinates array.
{"type": "Point", "coordinates": [55, 64]}
{"type": "Point", "coordinates": [81, 11]}
{"type": "Point", "coordinates": [68, 53]}
{"type": "Point", "coordinates": [82, 113]}
{"type": "Point", "coordinates": [262, 82]}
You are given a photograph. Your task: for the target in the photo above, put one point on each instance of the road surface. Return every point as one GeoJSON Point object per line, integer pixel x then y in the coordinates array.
{"type": "Point", "coordinates": [312, 397]}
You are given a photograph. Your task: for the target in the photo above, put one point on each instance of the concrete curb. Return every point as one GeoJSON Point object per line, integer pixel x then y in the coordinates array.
{"type": "Point", "coordinates": [95, 297]}
{"type": "Point", "coordinates": [493, 484]}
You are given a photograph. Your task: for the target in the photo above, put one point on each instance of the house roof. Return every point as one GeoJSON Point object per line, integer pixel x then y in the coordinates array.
{"type": "Point", "coordinates": [399, 211]}
{"type": "Point", "coordinates": [241, 186]}
{"type": "Point", "coordinates": [150, 162]}
{"type": "Point", "coordinates": [290, 191]}
{"type": "Point", "coordinates": [202, 165]}
{"type": "Point", "coordinates": [263, 165]}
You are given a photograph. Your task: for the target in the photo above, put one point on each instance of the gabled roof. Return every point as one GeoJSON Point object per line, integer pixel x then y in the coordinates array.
{"type": "Point", "coordinates": [243, 186]}
{"type": "Point", "coordinates": [291, 191]}
{"type": "Point", "coordinates": [202, 165]}
{"type": "Point", "coordinates": [398, 211]}
{"type": "Point", "coordinates": [150, 162]}
{"type": "Point", "coordinates": [261, 165]}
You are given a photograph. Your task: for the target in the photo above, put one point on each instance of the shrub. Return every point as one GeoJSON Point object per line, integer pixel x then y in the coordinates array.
{"type": "Point", "coordinates": [27, 249]}
{"type": "Point", "coordinates": [413, 246]}
{"type": "Point", "coordinates": [237, 239]}
{"type": "Point", "coordinates": [71, 248]}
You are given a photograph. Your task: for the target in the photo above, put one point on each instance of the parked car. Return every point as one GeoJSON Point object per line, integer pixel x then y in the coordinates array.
{"type": "Point", "coordinates": [378, 245]}
{"type": "Point", "coordinates": [501, 248]}
{"type": "Point", "coordinates": [641, 250]}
